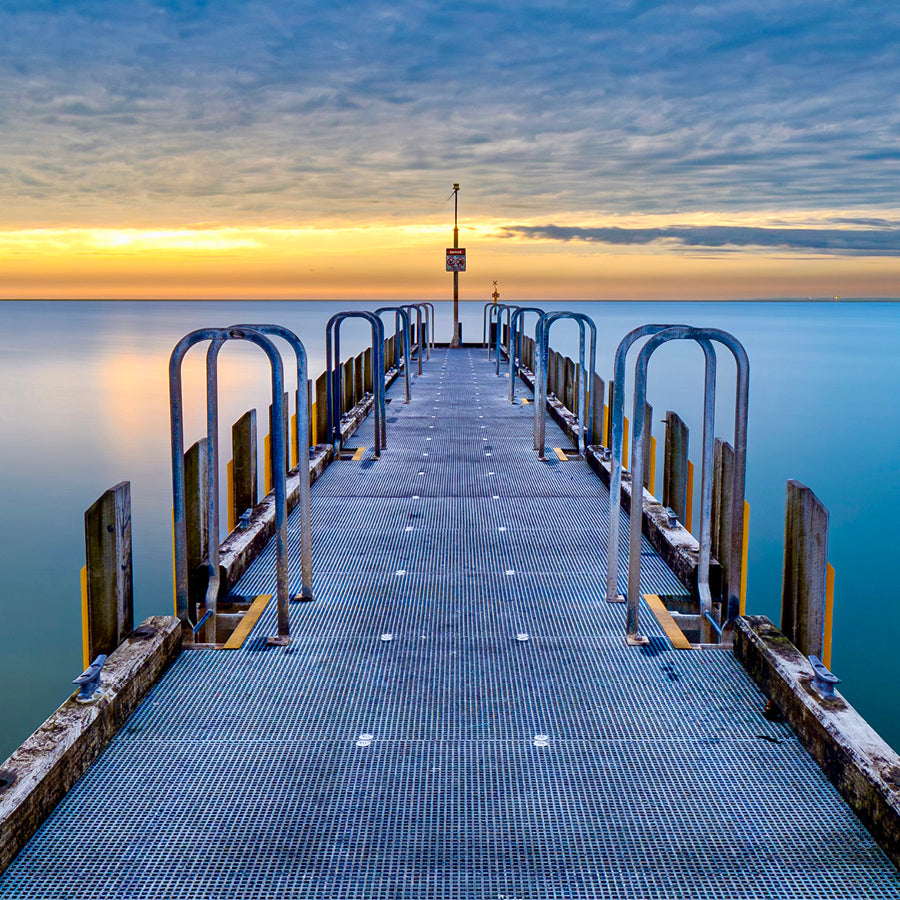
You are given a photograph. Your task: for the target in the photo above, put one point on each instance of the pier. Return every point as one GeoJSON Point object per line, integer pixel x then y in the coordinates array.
{"type": "Point", "coordinates": [458, 711]}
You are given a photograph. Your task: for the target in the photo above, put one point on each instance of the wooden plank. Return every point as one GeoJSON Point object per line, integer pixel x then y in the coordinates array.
{"type": "Point", "coordinates": [251, 617]}
{"type": "Point", "coordinates": [669, 626]}
{"type": "Point", "coordinates": [245, 491]}
{"type": "Point", "coordinates": [347, 400]}
{"type": "Point", "coordinates": [675, 458]}
{"type": "Point", "coordinates": [804, 573]}
{"type": "Point", "coordinates": [110, 593]}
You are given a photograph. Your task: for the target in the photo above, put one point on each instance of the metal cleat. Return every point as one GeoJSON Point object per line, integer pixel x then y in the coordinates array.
{"type": "Point", "coordinates": [823, 681]}
{"type": "Point", "coordinates": [671, 517]}
{"type": "Point", "coordinates": [89, 680]}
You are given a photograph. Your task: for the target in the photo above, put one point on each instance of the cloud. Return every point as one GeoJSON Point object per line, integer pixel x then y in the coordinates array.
{"type": "Point", "coordinates": [279, 109]}
{"type": "Point", "coordinates": [863, 242]}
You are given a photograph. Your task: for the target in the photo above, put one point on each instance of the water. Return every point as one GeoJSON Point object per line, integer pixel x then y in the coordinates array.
{"type": "Point", "coordinates": [84, 405]}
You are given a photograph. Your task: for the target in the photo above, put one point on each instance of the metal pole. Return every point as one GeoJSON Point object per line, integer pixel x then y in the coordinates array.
{"type": "Point", "coordinates": [454, 341]}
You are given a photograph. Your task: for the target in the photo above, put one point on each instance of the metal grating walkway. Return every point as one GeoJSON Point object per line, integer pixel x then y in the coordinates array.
{"type": "Point", "coordinates": [408, 745]}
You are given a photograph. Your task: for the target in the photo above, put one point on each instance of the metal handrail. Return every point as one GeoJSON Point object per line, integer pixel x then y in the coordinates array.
{"type": "Point", "coordinates": [617, 429]}
{"type": "Point", "coordinates": [516, 338]}
{"type": "Point", "coordinates": [704, 337]}
{"type": "Point", "coordinates": [401, 313]}
{"type": "Point", "coordinates": [484, 331]}
{"type": "Point", "coordinates": [419, 342]}
{"type": "Point", "coordinates": [542, 356]}
{"type": "Point", "coordinates": [508, 308]}
{"type": "Point", "coordinates": [301, 431]}
{"type": "Point", "coordinates": [333, 388]}
{"type": "Point", "coordinates": [217, 337]}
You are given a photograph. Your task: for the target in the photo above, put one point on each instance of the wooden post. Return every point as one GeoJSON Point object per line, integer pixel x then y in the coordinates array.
{"type": "Point", "coordinates": [570, 392]}
{"type": "Point", "coordinates": [109, 595]}
{"type": "Point", "coordinates": [196, 502]}
{"type": "Point", "coordinates": [287, 455]}
{"type": "Point", "coordinates": [598, 394]}
{"type": "Point", "coordinates": [675, 466]}
{"type": "Point", "coordinates": [368, 377]}
{"type": "Point", "coordinates": [322, 435]}
{"type": "Point", "coordinates": [551, 372]}
{"type": "Point", "coordinates": [392, 352]}
{"type": "Point", "coordinates": [245, 494]}
{"type": "Point", "coordinates": [723, 478]}
{"type": "Point", "coordinates": [560, 378]}
{"type": "Point", "coordinates": [359, 387]}
{"type": "Point", "coordinates": [347, 386]}
{"type": "Point", "coordinates": [805, 560]}
{"type": "Point", "coordinates": [648, 443]}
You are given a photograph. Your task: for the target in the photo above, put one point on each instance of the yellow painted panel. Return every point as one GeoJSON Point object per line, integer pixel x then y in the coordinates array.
{"type": "Point", "coordinates": [85, 648]}
{"type": "Point", "coordinates": [295, 450]}
{"type": "Point", "coordinates": [229, 478]}
{"type": "Point", "coordinates": [664, 617]}
{"type": "Point", "coordinates": [360, 452]}
{"type": "Point", "coordinates": [251, 617]}
{"type": "Point", "coordinates": [744, 549]}
{"type": "Point", "coordinates": [315, 423]}
{"type": "Point", "coordinates": [560, 455]}
{"type": "Point", "coordinates": [603, 438]}
{"type": "Point", "coordinates": [625, 430]}
{"type": "Point", "coordinates": [689, 510]}
{"type": "Point", "coordinates": [829, 614]}
{"type": "Point", "coordinates": [525, 401]}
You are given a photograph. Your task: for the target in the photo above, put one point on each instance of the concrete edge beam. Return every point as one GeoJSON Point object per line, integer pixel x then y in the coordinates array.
{"type": "Point", "coordinates": [854, 758]}
{"type": "Point", "coordinates": [40, 773]}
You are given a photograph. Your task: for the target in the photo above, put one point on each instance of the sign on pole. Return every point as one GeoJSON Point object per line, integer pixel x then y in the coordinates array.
{"type": "Point", "coordinates": [456, 259]}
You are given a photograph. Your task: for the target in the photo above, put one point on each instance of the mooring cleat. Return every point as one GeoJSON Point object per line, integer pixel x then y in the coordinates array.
{"type": "Point", "coordinates": [823, 681]}
{"type": "Point", "coordinates": [89, 680]}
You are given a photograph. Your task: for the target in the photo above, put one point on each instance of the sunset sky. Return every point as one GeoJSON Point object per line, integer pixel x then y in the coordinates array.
{"type": "Point", "coordinates": [285, 148]}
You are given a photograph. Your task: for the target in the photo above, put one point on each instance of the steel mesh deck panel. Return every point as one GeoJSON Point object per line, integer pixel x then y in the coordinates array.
{"type": "Point", "coordinates": [408, 744]}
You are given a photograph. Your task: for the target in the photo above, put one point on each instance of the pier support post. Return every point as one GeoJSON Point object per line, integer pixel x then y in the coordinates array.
{"type": "Point", "coordinates": [368, 380]}
{"type": "Point", "coordinates": [723, 478]}
{"type": "Point", "coordinates": [805, 560]}
{"type": "Point", "coordinates": [322, 436]}
{"type": "Point", "coordinates": [109, 595]}
{"type": "Point", "coordinates": [675, 474]}
{"type": "Point", "coordinates": [648, 447]}
{"type": "Point", "coordinates": [245, 493]}
{"type": "Point", "coordinates": [196, 497]}
{"type": "Point", "coordinates": [598, 395]}
{"type": "Point", "coordinates": [569, 391]}
{"type": "Point", "coordinates": [358, 382]}
{"type": "Point", "coordinates": [347, 401]}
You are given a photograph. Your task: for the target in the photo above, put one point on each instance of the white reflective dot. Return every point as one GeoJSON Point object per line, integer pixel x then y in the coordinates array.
{"type": "Point", "coordinates": [541, 740]}
{"type": "Point", "coordinates": [488, 453]}
{"type": "Point", "coordinates": [491, 473]}
{"type": "Point", "coordinates": [400, 572]}
{"type": "Point", "coordinates": [496, 496]}
{"type": "Point", "coordinates": [415, 496]}
{"type": "Point", "coordinates": [424, 454]}
{"type": "Point", "coordinates": [502, 528]}
{"type": "Point", "coordinates": [387, 636]}
{"type": "Point", "coordinates": [510, 571]}
{"type": "Point", "coordinates": [522, 636]}
{"type": "Point", "coordinates": [408, 528]}
{"type": "Point", "coordinates": [421, 473]}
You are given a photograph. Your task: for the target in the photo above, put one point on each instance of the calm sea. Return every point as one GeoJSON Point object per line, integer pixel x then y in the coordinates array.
{"type": "Point", "coordinates": [84, 404]}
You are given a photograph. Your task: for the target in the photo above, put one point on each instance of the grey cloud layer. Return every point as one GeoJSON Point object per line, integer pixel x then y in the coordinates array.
{"type": "Point", "coordinates": [255, 110]}
{"type": "Point", "coordinates": [868, 242]}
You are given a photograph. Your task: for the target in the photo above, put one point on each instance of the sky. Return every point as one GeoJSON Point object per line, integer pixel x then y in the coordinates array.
{"type": "Point", "coordinates": [294, 149]}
